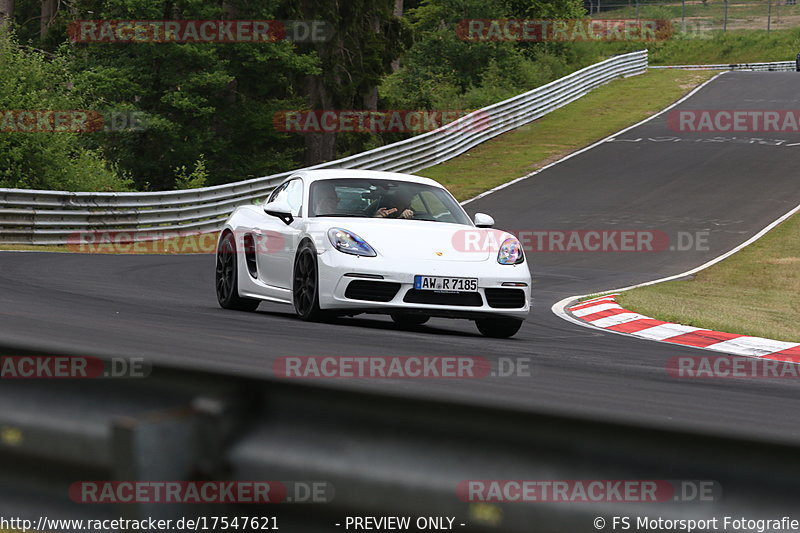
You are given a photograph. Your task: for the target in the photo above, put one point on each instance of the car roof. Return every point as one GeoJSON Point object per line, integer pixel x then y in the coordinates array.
{"type": "Point", "coordinates": [327, 174]}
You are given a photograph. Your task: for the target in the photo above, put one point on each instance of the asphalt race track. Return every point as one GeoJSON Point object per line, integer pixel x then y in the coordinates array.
{"type": "Point", "coordinates": [649, 178]}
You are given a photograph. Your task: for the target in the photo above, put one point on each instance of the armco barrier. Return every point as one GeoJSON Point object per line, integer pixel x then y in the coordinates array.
{"type": "Point", "coordinates": [778, 66]}
{"type": "Point", "coordinates": [382, 455]}
{"type": "Point", "coordinates": [50, 217]}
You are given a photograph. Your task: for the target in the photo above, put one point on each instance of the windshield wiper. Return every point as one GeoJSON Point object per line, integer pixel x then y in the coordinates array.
{"type": "Point", "coordinates": [359, 215]}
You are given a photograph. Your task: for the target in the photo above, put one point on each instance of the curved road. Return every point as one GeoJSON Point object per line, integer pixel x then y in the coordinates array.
{"type": "Point", "coordinates": [649, 178]}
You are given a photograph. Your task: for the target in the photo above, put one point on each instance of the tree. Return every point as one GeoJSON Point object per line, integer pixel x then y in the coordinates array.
{"type": "Point", "coordinates": [214, 99]}
{"type": "Point", "coordinates": [48, 11]}
{"type": "Point", "coordinates": [398, 12]}
{"type": "Point", "coordinates": [442, 70]}
{"type": "Point", "coordinates": [44, 159]}
{"type": "Point", "coordinates": [366, 38]}
{"type": "Point", "coordinates": [6, 12]}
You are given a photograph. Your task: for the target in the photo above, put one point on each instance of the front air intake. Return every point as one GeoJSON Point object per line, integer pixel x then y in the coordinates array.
{"type": "Point", "coordinates": [505, 298]}
{"type": "Point", "coordinates": [469, 299]}
{"type": "Point", "coordinates": [372, 291]}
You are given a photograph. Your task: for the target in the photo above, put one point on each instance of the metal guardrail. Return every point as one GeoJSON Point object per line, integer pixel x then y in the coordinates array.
{"type": "Point", "coordinates": [52, 217]}
{"type": "Point", "coordinates": [381, 455]}
{"type": "Point", "coordinates": [778, 66]}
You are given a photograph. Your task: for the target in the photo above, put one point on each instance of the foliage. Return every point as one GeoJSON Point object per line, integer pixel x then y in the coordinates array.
{"type": "Point", "coordinates": [441, 70]}
{"type": "Point", "coordinates": [195, 179]}
{"type": "Point", "coordinates": [216, 99]}
{"type": "Point", "coordinates": [46, 160]}
{"type": "Point", "coordinates": [210, 107]}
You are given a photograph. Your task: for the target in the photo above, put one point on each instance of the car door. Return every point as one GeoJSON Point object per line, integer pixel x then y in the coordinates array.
{"type": "Point", "coordinates": [277, 241]}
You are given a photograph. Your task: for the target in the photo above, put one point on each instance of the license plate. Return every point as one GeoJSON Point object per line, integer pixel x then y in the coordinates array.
{"type": "Point", "coordinates": [440, 283]}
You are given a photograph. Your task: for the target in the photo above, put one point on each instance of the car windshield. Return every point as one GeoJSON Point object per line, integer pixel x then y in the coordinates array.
{"type": "Point", "coordinates": [377, 198]}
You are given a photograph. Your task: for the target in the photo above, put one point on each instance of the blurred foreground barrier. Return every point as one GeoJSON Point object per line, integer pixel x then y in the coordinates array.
{"type": "Point", "coordinates": [52, 217]}
{"type": "Point", "coordinates": [335, 453]}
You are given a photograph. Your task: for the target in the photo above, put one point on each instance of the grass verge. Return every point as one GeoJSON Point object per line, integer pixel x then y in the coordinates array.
{"type": "Point", "coordinates": [753, 292]}
{"type": "Point", "coordinates": [519, 152]}
{"type": "Point", "coordinates": [187, 244]}
{"type": "Point", "coordinates": [528, 148]}
{"type": "Point", "coordinates": [740, 46]}
{"type": "Point", "coordinates": [752, 15]}
{"type": "Point", "coordinates": [708, 47]}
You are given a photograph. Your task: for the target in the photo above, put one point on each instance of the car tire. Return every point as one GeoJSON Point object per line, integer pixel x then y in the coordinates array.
{"type": "Point", "coordinates": [226, 278]}
{"type": "Point", "coordinates": [498, 328]}
{"type": "Point", "coordinates": [409, 320]}
{"type": "Point", "coordinates": [305, 284]}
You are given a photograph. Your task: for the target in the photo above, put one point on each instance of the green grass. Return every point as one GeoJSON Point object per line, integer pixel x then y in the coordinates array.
{"type": "Point", "coordinates": [753, 292]}
{"type": "Point", "coordinates": [739, 46]}
{"type": "Point", "coordinates": [520, 152]}
{"type": "Point", "coordinates": [33, 248]}
{"type": "Point", "coordinates": [735, 46]}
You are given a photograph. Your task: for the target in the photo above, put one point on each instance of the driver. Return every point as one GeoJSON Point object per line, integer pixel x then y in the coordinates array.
{"type": "Point", "coordinates": [326, 201]}
{"type": "Point", "coordinates": [402, 207]}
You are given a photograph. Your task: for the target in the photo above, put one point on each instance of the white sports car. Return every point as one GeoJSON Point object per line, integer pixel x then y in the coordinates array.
{"type": "Point", "coordinates": [345, 242]}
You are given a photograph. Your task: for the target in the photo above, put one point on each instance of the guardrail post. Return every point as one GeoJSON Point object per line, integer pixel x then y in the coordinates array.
{"type": "Point", "coordinates": [159, 446]}
{"type": "Point", "coordinates": [186, 443]}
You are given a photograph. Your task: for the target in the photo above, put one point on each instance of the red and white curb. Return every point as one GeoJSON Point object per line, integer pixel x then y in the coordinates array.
{"type": "Point", "coordinates": [605, 313]}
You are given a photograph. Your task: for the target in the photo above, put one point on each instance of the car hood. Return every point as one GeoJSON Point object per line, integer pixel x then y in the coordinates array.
{"type": "Point", "coordinates": [417, 239]}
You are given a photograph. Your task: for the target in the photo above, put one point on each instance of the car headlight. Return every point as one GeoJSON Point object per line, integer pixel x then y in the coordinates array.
{"type": "Point", "coordinates": [510, 252]}
{"type": "Point", "coordinates": [350, 243]}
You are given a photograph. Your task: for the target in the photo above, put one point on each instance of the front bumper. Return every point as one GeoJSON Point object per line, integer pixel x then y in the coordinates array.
{"type": "Point", "coordinates": [338, 270]}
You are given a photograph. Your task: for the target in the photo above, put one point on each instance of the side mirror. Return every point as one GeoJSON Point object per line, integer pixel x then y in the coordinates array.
{"type": "Point", "coordinates": [482, 220]}
{"type": "Point", "coordinates": [281, 210]}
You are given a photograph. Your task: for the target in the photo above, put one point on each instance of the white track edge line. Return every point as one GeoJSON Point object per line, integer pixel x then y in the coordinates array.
{"type": "Point", "coordinates": [559, 308]}
{"type": "Point", "coordinates": [598, 143]}
{"type": "Point", "coordinates": [705, 265]}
